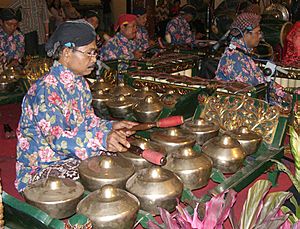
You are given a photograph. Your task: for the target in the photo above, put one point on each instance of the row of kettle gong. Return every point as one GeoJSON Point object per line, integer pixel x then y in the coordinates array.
{"type": "Point", "coordinates": [227, 150]}
{"type": "Point", "coordinates": [122, 100]}
{"type": "Point", "coordinates": [151, 186]}
{"type": "Point", "coordinates": [107, 206]}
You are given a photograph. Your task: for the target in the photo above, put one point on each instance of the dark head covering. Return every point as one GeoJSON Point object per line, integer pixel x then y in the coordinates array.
{"type": "Point", "coordinates": [188, 9]}
{"type": "Point", "coordinates": [92, 13]}
{"type": "Point", "coordinates": [245, 21]}
{"type": "Point", "coordinates": [139, 11]}
{"type": "Point", "coordinates": [9, 14]}
{"type": "Point", "coordinates": [71, 34]}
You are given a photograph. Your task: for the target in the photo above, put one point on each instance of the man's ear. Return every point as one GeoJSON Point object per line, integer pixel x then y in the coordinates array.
{"type": "Point", "coordinates": [1, 22]}
{"type": "Point", "coordinates": [67, 52]}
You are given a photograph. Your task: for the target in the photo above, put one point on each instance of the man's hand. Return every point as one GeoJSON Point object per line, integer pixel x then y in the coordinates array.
{"type": "Point", "coordinates": [138, 54]}
{"type": "Point", "coordinates": [116, 141]}
{"type": "Point", "coordinates": [124, 125]}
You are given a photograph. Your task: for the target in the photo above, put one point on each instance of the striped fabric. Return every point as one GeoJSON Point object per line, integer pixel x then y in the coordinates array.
{"type": "Point", "coordinates": [34, 16]}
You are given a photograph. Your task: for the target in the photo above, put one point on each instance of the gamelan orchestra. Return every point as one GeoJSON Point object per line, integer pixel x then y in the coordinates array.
{"type": "Point", "coordinates": [150, 114]}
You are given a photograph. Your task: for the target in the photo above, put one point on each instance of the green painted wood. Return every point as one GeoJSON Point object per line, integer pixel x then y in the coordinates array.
{"type": "Point", "coordinates": [18, 214]}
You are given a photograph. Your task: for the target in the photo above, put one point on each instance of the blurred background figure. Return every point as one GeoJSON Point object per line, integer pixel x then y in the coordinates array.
{"type": "Point", "coordinates": [93, 17]}
{"type": "Point", "coordinates": [57, 12]}
{"type": "Point", "coordinates": [107, 16]}
{"type": "Point", "coordinates": [162, 18]}
{"type": "Point", "coordinates": [12, 46]}
{"type": "Point", "coordinates": [174, 11]}
{"type": "Point", "coordinates": [70, 12]}
{"type": "Point", "coordinates": [34, 26]}
{"type": "Point", "coordinates": [292, 47]}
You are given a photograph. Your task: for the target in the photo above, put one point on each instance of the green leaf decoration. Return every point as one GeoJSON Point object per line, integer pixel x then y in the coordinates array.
{"type": "Point", "coordinates": [272, 204]}
{"type": "Point", "coordinates": [295, 148]}
{"type": "Point", "coordinates": [284, 169]}
{"type": "Point", "coordinates": [52, 119]}
{"type": "Point", "coordinates": [252, 204]}
{"type": "Point", "coordinates": [292, 218]}
{"type": "Point", "coordinates": [64, 144]}
{"type": "Point", "coordinates": [43, 108]}
{"type": "Point", "coordinates": [274, 223]}
{"type": "Point", "coordinates": [79, 142]}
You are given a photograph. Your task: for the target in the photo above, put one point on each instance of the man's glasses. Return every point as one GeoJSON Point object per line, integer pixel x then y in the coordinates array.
{"type": "Point", "coordinates": [93, 53]}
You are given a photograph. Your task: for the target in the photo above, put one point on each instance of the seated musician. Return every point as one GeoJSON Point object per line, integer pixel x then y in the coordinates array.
{"type": "Point", "coordinates": [291, 57]}
{"type": "Point", "coordinates": [236, 63]}
{"type": "Point", "coordinates": [12, 46]}
{"type": "Point", "coordinates": [93, 17]}
{"type": "Point", "coordinates": [179, 30]}
{"type": "Point", "coordinates": [121, 45]}
{"type": "Point", "coordinates": [58, 127]}
{"type": "Point", "coordinates": [142, 38]}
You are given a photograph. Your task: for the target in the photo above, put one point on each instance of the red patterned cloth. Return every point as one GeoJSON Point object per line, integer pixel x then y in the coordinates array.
{"type": "Point", "coordinates": [245, 21]}
{"type": "Point", "coordinates": [292, 54]}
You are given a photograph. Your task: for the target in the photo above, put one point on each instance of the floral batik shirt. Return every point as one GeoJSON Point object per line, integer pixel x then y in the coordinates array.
{"type": "Point", "coordinates": [57, 123]}
{"type": "Point", "coordinates": [180, 31]}
{"type": "Point", "coordinates": [236, 65]}
{"type": "Point", "coordinates": [12, 47]}
{"type": "Point", "coordinates": [141, 41]}
{"type": "Point", "coordinates": [117, 47]}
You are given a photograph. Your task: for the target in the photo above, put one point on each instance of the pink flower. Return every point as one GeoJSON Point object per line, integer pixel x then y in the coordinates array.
{"type": "Point", "coordinates": [36, 110]}
{"type": "Point", "coordinates": [46, 154]}
{"type": "Point", "coordinates": [94, 143]}
{"type": "Point", "coordinates": [56, 131]}
{"type": "Point", "coordinates": [81, 153]}
{"type": "Point", "coordinates": [67, 79]}
{"type": "Point", "coordinates": [74, 105]}
{"type": "Point", "coordinates": [44, 126]}
{"type": "Point", "coordinates": [94, 123]}
{"type": "Point", "coordinates": [55, 99]}
{"type": "Point", "coordinates": [32, 90]}
{"type": "Point", "coordinates": [23, 143]}
{"type": "Point", "coordinates": [50, 80]}
{"type": "Point", "coordinates": [99, 135]}
{"type": "Point", "coordinates": [29, 112]}
{"type": "Point", "coordinates": [70, 134]}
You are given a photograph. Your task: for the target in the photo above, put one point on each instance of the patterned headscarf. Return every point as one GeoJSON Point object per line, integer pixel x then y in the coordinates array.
{"type": "Point", "coordinates": [245, 21]}
{"type": "Point", "coordinates": [252, 8]}
{"type": "Point", "coordinates": [124, 19]}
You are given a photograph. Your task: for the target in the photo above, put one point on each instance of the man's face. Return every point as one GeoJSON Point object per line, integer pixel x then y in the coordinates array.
{"type": "Point", "coordinates": [129, 30]}
{"type": "Point", "coordinates": [82, 59]}
{"type": "Point", "coordinates": [188, 17]}
{"type": "Point", "coordinates": [253, 37]}
{"type": "Point", "coordinates": [9, 26]}
{"type": "Point", "coordinates": [141, 20]}
{"type": "Point", "coordinates": [93, 21]}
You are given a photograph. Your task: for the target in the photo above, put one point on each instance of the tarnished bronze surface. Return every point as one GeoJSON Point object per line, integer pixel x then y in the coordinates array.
{"type": "Point", "coordinates": [100, 170]}
{"type": "Point", "coordinates": [58, 197]}
{"type": "Point", "coordinates": [155, 187]}
{"type": "Point", "coordinates": [249, 140]}
{"type": "Point", "coordinates": [120, 106]}
{"type": "Point", "coordinates": [110, 207]}
{"type": "Point", "coordinates": [203, 129]}
{"type": "Point", "coordinates": [138, 161]}
{"type": "Point", "coordinates": [226, 152]}
{"type": "Point", "coordinates": [173, 138]}
{"type": "Point", "coordinates": [193, 168]}
{"type": "Point", "coordinates": [148, 109]}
